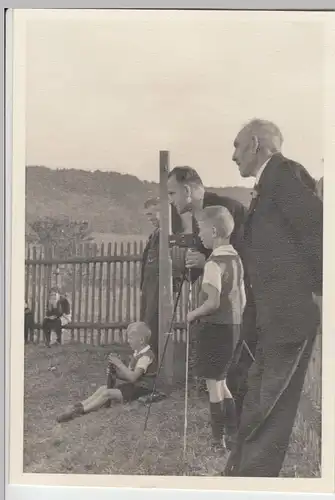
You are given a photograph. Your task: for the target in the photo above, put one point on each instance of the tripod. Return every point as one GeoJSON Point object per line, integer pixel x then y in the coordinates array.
{"type": "Point", "coordinates": [186, 275]}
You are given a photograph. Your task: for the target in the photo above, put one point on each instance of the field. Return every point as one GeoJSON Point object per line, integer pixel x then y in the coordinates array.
{"type": "Point", "coordinates": [107, 442]}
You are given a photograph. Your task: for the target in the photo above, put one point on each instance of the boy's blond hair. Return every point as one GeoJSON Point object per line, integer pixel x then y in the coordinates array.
{"type": "Point", "coordinates": [220, 218]}
{"type": "Point", "coordinates": [140, 329]}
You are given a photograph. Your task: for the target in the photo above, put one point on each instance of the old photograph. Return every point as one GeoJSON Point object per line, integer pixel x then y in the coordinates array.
{"type": "Point", "coordinates": [174, 166]}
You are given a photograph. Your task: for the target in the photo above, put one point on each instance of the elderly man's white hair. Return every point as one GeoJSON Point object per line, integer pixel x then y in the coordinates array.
{"type": "Point", "coordinates": [267, 133]}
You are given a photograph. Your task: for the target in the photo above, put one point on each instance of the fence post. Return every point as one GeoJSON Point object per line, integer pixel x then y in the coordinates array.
{"type": "Point", "coordinates": [165, 273]}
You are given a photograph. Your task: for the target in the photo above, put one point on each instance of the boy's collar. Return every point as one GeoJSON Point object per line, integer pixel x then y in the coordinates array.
{"type": "Point", "coordinates": [224, 250]}
{"type": "Point", "coordinates": [142, 351]}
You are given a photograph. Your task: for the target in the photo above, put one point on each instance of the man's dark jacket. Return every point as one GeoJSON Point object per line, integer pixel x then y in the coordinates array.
{"type": "Point", "coordinates": [238, 212]}
{"type": "Point", "coordinates": [283, 250]}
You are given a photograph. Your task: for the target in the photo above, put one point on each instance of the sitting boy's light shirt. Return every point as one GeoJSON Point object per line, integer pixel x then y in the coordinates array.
{"type": "Point", "coordinates": [144, 361]}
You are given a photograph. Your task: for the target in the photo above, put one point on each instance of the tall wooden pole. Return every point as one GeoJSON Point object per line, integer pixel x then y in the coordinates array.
{"type": "Point", "coordinates": [165, 273]}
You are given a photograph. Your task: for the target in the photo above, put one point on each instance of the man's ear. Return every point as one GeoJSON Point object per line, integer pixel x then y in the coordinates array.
{"type": "Point", "coordinates": [188, 190]}
{"type": "Point", "coordinates": [214, 232]}
{"type": "Point", "coordinates": [254, 144]}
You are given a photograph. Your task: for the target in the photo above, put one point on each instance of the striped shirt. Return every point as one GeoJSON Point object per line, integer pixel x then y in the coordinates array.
{"type": "Point", "coordinates": [224, 271]}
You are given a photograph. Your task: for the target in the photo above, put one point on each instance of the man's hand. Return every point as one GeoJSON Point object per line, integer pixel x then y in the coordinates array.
{"type": "Point", "coordinates": [191, 316]}
{"type": "Point", "coordinates": [195, 259]}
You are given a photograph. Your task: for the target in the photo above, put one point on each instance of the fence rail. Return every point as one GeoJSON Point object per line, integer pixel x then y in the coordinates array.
{"type": "Point", "coordinates": [103, 288]}
{"type": "Point", "coordinates": [102, 284]}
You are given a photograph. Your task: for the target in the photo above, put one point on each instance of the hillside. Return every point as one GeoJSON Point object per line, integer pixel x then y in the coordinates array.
{"type": "Point", "coordinates": [109, 201]}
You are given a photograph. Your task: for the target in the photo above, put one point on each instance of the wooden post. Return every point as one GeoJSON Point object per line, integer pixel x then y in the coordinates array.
{"type": "Point", "coordinates": [165, 274]}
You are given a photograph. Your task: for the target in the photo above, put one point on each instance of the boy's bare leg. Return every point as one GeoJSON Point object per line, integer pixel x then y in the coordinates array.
{"type": "Point", "coordinates": [94, 402]}
{"type": "Point", "coordinates": [101, 399]}
{"type": "Point", "coordinates": [95, 395]}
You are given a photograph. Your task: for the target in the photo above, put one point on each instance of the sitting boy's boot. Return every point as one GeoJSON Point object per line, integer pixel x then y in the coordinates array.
{"type": "Point", "coordinates": [217, 426]}
{"type": "Point", "coordinates": [76, 411]}
{"type": "Point", "coordinates": [230, 420]}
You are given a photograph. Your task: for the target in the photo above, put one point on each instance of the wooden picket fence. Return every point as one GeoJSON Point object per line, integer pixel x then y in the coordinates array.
{"type": "Point", "coordinates": [102, 285]}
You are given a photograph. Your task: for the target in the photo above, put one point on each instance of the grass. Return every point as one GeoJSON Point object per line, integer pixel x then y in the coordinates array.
{"type": "Point", "coordinates": [109, 441]}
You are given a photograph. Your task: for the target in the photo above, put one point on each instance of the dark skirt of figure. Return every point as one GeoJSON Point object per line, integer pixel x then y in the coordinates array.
{"type": "Point", "coordinates": [214, 349]}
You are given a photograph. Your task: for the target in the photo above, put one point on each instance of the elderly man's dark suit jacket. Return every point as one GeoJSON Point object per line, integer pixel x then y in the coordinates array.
{"type": "Point", "coordinates": [283, 251]}
{"type": "Point", "coordinates": [283, 255]}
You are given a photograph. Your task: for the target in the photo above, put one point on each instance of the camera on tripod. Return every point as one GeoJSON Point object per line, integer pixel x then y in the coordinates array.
{"type": "Point", "coordinates": [190, 240]}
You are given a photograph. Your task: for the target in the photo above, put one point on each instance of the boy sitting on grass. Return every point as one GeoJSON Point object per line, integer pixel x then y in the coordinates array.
{"type": "Point", "coordinates": [137, 377]}
{"type": "Point", "coordinates": [217, 320]}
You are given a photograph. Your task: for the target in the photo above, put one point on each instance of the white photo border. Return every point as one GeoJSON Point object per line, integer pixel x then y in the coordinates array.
{"type": "Point", "coordinates": [33, 486]}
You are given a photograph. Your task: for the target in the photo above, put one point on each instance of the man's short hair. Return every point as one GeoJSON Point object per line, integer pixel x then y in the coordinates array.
{"type": "Point", "coordinates": [220, 218]}
{"type": "Point", "coordinates": [186, 175]}
{"type": "Point", "coordinates": [141, 330]}
{"type": "Point", "coordinates": [267, 132]}
{"type": "Point", "coordinates": [151, 202]}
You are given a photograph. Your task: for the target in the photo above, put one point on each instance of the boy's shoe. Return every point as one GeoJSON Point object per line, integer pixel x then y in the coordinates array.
{"type": "Point", "coordinates": [152, 398]}
{"type": "Point", "coordinates": [74, 412]}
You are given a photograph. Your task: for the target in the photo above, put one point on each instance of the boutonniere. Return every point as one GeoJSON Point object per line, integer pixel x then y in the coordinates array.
{"type": "Point", "coordinates": [255, 193]}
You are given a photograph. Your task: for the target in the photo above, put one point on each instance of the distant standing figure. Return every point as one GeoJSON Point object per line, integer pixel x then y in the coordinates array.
{"type": "Point", "coordinates": [28, 323]}
{"type": "Point", "coordinates": [57, 316]}
{"type": "Point", "coordinates": [149, 275]}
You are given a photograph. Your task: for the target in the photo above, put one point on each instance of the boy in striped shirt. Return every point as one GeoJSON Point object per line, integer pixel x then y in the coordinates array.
{"type": "Point", "coordinates": [217, 320]}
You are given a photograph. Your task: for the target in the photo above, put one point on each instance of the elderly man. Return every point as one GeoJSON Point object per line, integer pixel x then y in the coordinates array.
{"type": "Point", "coordinates": [283, 253]}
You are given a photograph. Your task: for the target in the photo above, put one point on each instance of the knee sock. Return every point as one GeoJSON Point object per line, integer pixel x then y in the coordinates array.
{"type": "Point", "coordinates": [217, 421]}
{"type": "Point", "coordinates": [47, 336]}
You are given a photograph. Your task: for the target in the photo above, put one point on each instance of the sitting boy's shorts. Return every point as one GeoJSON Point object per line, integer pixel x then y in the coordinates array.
{"type": "Point", "coordinates": [131, 392]}
{"type": "Point", "coordinates": [214, 349]}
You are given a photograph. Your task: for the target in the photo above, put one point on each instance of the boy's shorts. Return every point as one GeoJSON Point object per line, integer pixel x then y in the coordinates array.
{"type": "Point", "coordinates": [214, 349]}
{"type": "Point", "coordinates": [131, 392]}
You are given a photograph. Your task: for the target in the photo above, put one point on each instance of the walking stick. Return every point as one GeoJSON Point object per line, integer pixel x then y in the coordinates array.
{"type": "Point", "coordinates": [189, 306]}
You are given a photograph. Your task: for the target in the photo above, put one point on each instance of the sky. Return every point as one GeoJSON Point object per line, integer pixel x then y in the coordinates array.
{"type": "Point", "coordinates": [109, 92]}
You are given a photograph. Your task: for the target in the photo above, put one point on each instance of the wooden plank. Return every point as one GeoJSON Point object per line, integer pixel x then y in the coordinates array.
{"type": "Point", "coordinates": [101, 277]}
{"type": "Point", "coordinates": [108, 286]}
{"type": "Point", "coordinates": [74, 290]}
{"type": "Point", "coordinates": [121, 291]}
{"type": "Point", "coordinates": [116, 325]}
{"type": "Point", "coordinates": [27, 266]}
{"type": "Point", "coordinates": [134, 286]}
{"type": "Point", "coordinates": [85, 259]}
{"type": "Point", "coordinates": [128, 285]}
{"type": "Point", "coordinates": [165, 272]}
{"type": "Point", "coordinates": [39, 288]}
{"type": "Point", "coordinates": [94, 272]}
{"type": "Point", "coordinates": [33, 280]}
{"type": "Point", "coordinates": [114, 293]}
{"type": "Point", "coordinates": [80, 287]}
{"type": "Point", "coordinates": [44, 294]}
{"type": "Point", "coordinates": [87, 285]}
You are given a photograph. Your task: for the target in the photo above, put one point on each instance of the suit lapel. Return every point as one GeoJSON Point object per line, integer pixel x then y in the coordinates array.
{"type": "Point", "coordinates": [260, 189]}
